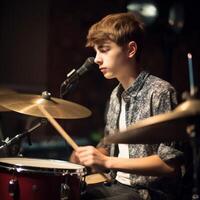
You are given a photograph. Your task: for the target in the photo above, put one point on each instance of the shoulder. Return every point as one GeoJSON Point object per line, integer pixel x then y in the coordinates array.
{"type": "Point", "coordinates": [158, 86]}
{"type": "Point", "coordinates": [158, 83]}
{"type": "Point", "coordinates": [161, 93]}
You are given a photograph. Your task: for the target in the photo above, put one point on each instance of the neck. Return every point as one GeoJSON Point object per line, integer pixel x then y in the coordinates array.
{"type": "Point", "coordinates": [129, 75]}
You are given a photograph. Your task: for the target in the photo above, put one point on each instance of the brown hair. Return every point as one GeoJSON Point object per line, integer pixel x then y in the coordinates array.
{"type": "Point", "coordinates": [120, 28]}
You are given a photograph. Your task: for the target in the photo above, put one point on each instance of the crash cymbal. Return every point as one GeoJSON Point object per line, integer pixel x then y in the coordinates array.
{"type": "Point", "coordinates": [57, 108]}
{"type": "Point", "coordinates": [165, 127]}
{"type": "Point", "coordinates": [3, 109]}
{"type": "Point", "coordinates": [5, 91]}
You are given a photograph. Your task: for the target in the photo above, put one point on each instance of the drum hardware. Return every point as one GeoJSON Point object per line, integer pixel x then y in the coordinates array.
{"type": "Point", "coordinates": [64, 191]}
{"type": "Point", "coordinates": [18, 137]}
{"type": "Point", "coordinates": [192, 132]}
{"type": "Point", "coordinates": [13, 188]}
{"type": "Point", "coordinates": [34, 188]}
{"type": "Point", "coordinates": [83, 186]}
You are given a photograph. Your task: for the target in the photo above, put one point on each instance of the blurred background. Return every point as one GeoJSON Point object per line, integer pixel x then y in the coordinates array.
{"type": "Point", "coordinates": [42, 41]}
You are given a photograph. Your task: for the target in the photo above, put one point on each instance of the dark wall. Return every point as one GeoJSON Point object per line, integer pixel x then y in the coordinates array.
{"type": "Point", "coordinates": [24, 43]}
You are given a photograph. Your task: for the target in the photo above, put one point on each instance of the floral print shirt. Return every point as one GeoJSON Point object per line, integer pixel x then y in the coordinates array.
{"type": "Point", "coordinates": [148, 96]}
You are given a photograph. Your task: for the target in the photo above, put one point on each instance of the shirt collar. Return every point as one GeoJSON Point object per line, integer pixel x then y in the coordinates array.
{"type": "Point", "coordinates": [133, 90]}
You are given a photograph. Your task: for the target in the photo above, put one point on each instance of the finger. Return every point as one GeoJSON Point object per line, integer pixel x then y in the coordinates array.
{"type": "Point", "coordinates": [83, 154]}
{"type": "Point", "coordinates": [84, 148]}
{"type": "Point", "coordinates": [87, 161]}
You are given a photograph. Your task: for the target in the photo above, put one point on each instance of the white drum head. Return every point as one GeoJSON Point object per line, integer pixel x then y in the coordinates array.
{"type": "Point", "coordinates": [41, 163]}
{"type": "Point", "coordinates": [44, 164]}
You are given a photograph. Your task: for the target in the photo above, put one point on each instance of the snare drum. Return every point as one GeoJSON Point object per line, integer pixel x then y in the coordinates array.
{"type": "Point", "coordinates": [39, 179]}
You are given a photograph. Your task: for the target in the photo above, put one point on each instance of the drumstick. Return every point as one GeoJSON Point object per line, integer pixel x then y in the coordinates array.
{"type": "Point", "coordinates": [58, 128]}
{"type": "Point", "coordinates": [66, 136]}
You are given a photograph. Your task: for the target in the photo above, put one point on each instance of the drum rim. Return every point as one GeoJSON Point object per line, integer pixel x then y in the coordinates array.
{"type": "Point", "coordinates": [4, 166]}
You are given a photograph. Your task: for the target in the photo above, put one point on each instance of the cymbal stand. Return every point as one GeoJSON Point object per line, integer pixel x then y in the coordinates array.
{"type": "Point", "coordinates": [18, 137]}
{"type": "Point", "coordinates": [192, 132]}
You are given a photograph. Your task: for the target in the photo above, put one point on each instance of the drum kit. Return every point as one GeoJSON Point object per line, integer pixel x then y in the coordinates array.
{"type": "Point", "coordinates": [31, 178]}
{"type": "Point", "coordinates": [38, 179]}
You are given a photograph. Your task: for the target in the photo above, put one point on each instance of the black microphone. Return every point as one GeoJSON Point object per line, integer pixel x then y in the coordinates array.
{"type": "Point", "coordinates": [74, 75]}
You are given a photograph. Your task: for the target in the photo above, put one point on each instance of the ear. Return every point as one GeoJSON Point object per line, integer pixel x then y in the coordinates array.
{"type": "Point", "coordinates": [132, 49]}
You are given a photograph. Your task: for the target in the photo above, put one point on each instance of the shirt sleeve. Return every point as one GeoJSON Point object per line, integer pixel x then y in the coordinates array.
{"type": "Point", "coordinates": [165, 102]}
{"type": "Point", "coordinates": [102, 143]}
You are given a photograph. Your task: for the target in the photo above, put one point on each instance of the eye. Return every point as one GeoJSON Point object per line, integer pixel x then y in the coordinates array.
{"type": "Point", "coordinates": [104, 49]}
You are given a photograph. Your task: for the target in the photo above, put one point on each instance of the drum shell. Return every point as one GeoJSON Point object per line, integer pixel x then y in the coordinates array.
{"type": "Point", "coordinates": [38, 184]}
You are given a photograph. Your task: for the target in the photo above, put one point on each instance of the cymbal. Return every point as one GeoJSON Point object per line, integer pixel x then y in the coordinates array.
{"type": "Point", "coordinates": [57, 108]}
{"type": "Point", "coordinates": [170, 126]}
{"type": "Point", "coordinates": [4, 91]}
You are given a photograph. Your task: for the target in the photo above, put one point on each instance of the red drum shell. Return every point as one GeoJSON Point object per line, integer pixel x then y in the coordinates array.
{"type": "Point", "coordinates": [39, 179]}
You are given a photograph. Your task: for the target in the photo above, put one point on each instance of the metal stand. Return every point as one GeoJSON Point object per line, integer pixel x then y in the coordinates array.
{"type": "Point", "coordinates": [193, 133]}
{"type": "Point", "coordinates": [18, 137]}
{"type": "Point", "coordinates": [195, 151]}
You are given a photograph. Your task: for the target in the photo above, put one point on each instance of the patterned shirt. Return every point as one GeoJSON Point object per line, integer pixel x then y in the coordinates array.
{"type": "Point", "coordinates": [148, 96]}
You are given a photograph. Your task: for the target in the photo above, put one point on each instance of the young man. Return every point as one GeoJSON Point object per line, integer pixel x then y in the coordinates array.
{"type": "Point", "coordinates": [142, 171]}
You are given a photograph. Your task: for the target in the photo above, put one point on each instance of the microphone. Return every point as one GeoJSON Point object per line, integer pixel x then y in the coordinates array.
{"type": "Point", "coordinates": [74, 75]}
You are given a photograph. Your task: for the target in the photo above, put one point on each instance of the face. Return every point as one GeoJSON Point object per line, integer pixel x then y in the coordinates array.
{"type": "Point", "coordinates": [111, 58]}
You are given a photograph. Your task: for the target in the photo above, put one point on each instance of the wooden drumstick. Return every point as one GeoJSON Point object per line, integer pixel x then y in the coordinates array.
{"type": "Point", "coordinates": [96, 178]}
{"type": "Point", "coordinates": [59, 128]}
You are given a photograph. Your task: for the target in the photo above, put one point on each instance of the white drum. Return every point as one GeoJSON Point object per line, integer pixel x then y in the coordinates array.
{"type": "Point", "coordinates": [39, 179]}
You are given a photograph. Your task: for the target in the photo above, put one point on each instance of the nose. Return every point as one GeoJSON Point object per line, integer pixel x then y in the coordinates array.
{"type": "Point", "coordinates": [98, 59]}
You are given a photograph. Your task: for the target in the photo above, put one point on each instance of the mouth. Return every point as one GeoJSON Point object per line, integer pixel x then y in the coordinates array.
{"type": "Point", "coordinates": [103, 69]}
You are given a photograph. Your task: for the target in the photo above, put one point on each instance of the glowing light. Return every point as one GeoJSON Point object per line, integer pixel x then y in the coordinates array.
{"type": "Point", "coordinates": [145, 9]}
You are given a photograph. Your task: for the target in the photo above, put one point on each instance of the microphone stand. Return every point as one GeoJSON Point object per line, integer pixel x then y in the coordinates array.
{"type": "Point", "coordinates": [70, 83]}
{"type": "Point", "coordinates": [18, 137]}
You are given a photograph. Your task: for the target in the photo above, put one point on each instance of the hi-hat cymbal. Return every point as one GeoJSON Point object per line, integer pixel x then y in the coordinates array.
{"type": "Point", "coordinates": [57, 108]}
{"type": "Point", "coordinates": [5, 91]}
{"type": "Point", "coordinates": [165, 127]}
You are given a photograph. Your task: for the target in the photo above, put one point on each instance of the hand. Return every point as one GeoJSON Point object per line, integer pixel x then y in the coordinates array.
{"type": "Point", "coordinates": [73, 158]}
{"type": "Point", "coordinates": [89, 156]}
